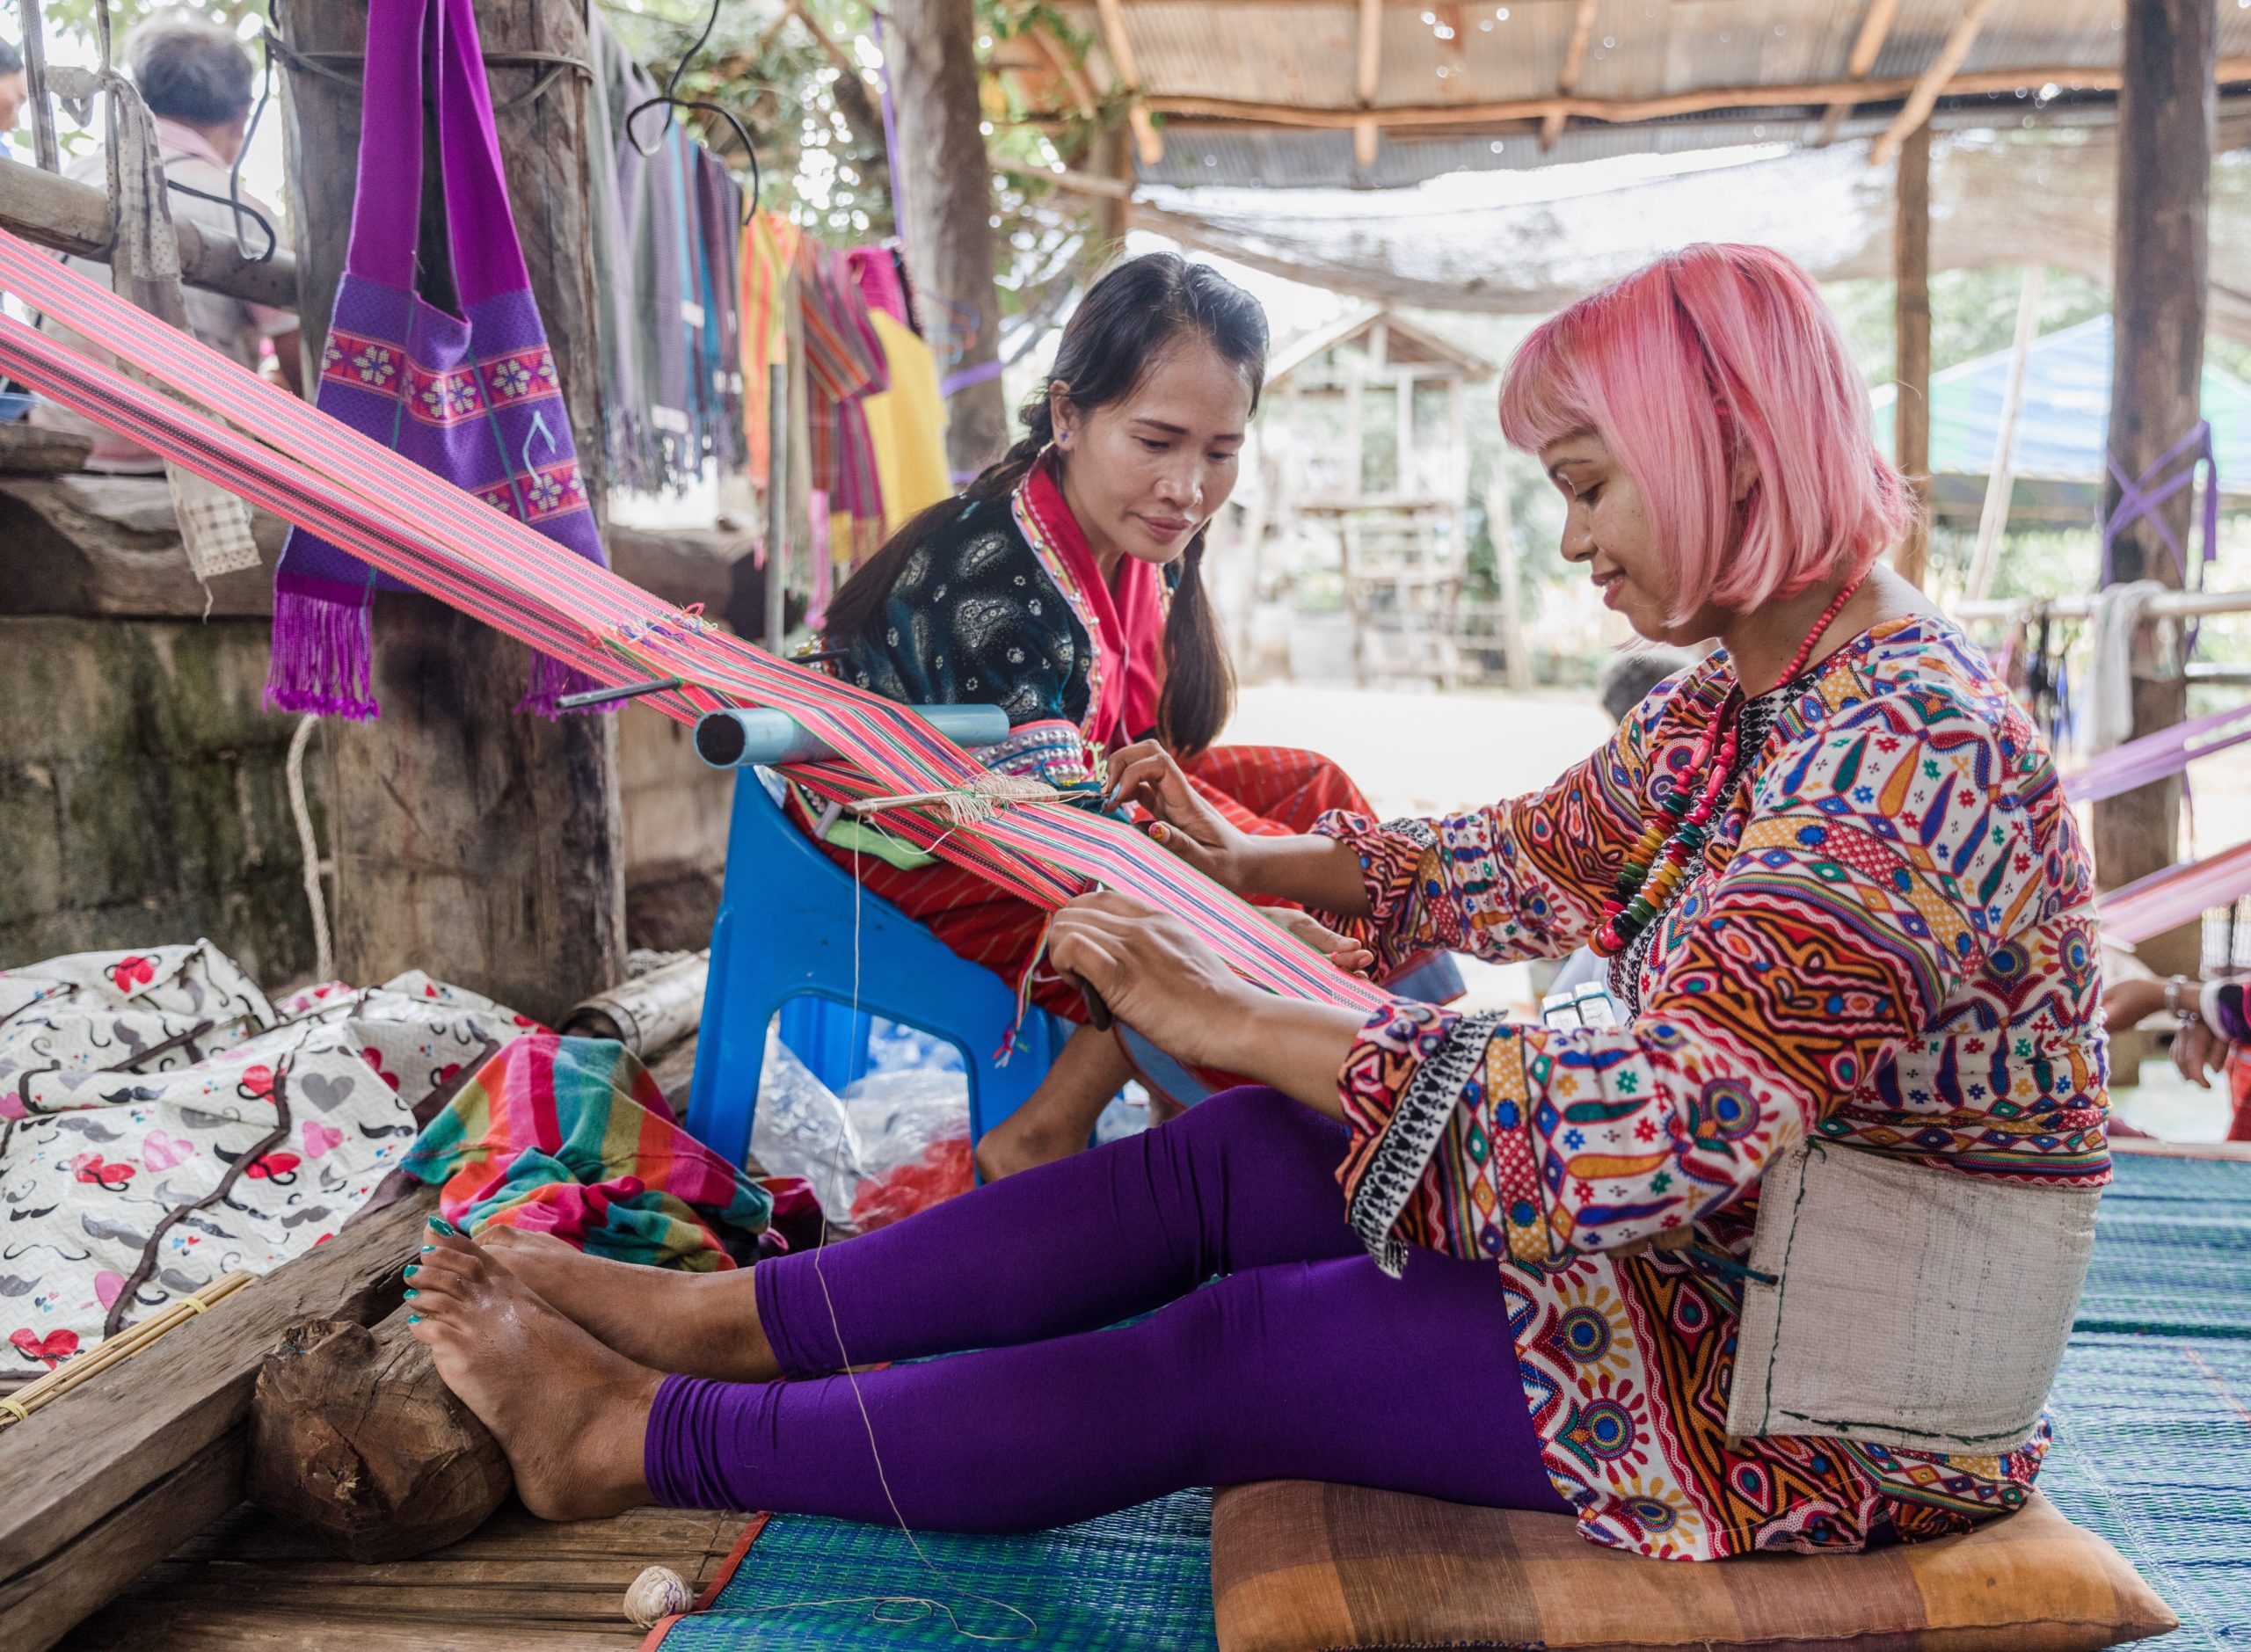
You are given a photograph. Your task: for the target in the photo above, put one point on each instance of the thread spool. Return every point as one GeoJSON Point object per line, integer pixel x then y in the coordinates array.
{"type": "Point", "coordinates": [658, 1593]}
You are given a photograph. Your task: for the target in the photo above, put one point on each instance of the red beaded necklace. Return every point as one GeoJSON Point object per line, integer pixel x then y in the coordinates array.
{"type": "Point", "coordinates": [1657, 865]}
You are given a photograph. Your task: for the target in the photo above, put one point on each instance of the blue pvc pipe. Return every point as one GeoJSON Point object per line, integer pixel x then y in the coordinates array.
{"type": "Point", "coordinates": [732, 738]}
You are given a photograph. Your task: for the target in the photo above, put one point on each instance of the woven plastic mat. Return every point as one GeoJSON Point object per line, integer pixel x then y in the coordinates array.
{"type": "Point", "coordinates": [2151, 1413]}
{"type": "Point", "coordinates": [1137, 1580]}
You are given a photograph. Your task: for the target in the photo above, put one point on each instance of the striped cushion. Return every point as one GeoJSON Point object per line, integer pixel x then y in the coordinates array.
{"type": "Point", "coordinates": [1302, 1567]}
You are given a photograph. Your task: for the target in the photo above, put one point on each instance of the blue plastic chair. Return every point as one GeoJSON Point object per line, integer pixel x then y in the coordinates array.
{"type": "Point", "coordinates": [784, 936]}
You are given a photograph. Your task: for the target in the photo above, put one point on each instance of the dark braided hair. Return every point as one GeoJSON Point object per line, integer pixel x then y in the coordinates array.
{"type": "Point", "coordinates": [1127, 319]}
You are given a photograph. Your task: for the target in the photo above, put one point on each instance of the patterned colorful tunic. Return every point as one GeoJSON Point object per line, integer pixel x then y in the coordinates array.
{"type": "Point", "coordinates": [1892, 944]}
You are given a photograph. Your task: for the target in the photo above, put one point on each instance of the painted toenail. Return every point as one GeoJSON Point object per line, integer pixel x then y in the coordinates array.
{"type": "Point", "coordinates": [411, 1291]}
{"type": "Point", "coordinates": [426, 1249]}
{"type": "Point", "coordinates": [414, 1319]}
{"type": "Point", "coordinates": [412, 1268]}
{"type": "Point", "coordinates": [445, 1226]}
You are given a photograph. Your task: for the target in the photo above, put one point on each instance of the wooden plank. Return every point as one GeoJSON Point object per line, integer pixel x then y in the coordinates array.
{"type": "Point", "coordinates": [1551, 123]}
{"type": "Point", "coordinates": [40, 1606]}
{"type": "Point", "coordinates": [2166, 122]}
{"type": "Point", "coordinates": [1368, 79]}
{"type": "Point", "coordinates": [1469, 117]}
{"type": "Point", "coordinates": [519, 1581]}
{"type": "Point", "coordinates": [1931, 85]}
{"type": "Point", "coordinates": [1911, 255]}
{"type": "Point", "coordinates": [61, 212]}
{"type": "Point", "coordinates": [1876, 28]}
{"type": "Point", "coordinates": [79, 1462]}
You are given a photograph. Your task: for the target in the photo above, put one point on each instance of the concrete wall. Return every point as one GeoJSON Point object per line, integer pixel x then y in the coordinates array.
{"type": "Point", "coordinates": [142, 793]}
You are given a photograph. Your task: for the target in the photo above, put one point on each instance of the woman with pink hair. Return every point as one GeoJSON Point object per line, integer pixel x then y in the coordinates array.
{"type": "Point", "coordinates": [1850, 928]}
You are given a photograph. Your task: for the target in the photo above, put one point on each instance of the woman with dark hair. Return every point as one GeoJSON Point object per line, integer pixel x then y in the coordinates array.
{"type": "Point", "coordinates": [1066, 584]}
{"type": "Point", "coordinates": [1848, 915]}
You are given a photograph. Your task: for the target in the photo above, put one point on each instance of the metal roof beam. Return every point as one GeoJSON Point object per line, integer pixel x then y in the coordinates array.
{"type": "Point", "coordinates": [1551, 123]}
{"type": "Point", "coordinates": [1932, 83]}
{"type": "Point", "coordinates": [1876, 28]}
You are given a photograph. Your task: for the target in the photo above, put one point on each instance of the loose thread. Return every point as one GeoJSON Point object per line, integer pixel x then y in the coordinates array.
{"type": "Point", "coordinates": [928, 1606]}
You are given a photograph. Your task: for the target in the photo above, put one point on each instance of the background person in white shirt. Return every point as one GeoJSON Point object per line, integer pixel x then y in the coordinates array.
{"type": "Point", "coordinates": [197, 80]}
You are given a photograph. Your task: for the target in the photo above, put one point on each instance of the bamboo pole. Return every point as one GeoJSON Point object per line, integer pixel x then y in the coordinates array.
{"type": "Point", "coordinates": [18, 1407]}
{"type": "Point", "coordinates": [2001, 479]}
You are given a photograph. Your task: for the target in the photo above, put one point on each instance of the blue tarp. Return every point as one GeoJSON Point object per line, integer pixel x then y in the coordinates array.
{"type": "Point", "coordinates": [2065, 415]}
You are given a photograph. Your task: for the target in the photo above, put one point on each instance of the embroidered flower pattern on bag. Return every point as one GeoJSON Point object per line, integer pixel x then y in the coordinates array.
{"type": "Point", "coordinates": [445, 398]}
{"type": "Point", "coordinates": [553, 490]}
{"type": "Point", "coordinates": [519, 375]}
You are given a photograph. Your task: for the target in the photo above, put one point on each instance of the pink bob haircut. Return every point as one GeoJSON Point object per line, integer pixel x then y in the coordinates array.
{"type": "Point", "coordinates": [1709, 353]}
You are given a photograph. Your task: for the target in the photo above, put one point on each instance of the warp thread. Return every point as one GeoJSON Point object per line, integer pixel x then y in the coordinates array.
{"type": "Point", "coordinates": [970, 805]}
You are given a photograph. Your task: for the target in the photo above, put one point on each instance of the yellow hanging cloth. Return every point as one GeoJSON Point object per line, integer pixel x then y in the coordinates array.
{"type": "Point", "coordinates": [908, 424]}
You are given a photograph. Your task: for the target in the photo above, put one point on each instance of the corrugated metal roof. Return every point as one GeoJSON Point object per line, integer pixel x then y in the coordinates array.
{"type": "Point", "coordinates": [1438, 55]}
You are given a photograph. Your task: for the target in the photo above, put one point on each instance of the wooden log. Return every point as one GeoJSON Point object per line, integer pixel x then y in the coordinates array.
{"type": "Point", "coordinates": [69, 216]}
{"type": "Point", "coordinates": [110, 546]}
{"type": "Point", "coordinates": [477, 844]}
{"type": "Point", "coordinates": [2166, 117]}
{"type": "Point", "coordinates": [355, 1440]}
{"type": "Point", "coordinates": [947, 214]}
{"type": "Point", "coordinates": [29, 450]}
{"type": "Point", "coordinates": [82, 1482]}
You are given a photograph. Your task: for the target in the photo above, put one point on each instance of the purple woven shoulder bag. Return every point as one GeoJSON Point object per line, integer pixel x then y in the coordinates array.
{"type": "Point", "coordinates": [474, 397]}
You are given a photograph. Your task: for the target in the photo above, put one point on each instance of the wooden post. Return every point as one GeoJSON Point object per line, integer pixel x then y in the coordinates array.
{"type": "Point", "coordinates": [947, 216]}
{"type": "Point", "coordinates": [1911, 424]}
{"type": "Point", "coordinates": [2166, 133]}
{"type": "Point", "coordinates": [1500, 528]}
{"type": "Point", "coordinates": [35, 33]}
{"type": "Point", "coordinates": [481, 846]}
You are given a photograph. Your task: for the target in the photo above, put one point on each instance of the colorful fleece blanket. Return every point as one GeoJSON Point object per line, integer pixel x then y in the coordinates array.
{"type": "Point", "coordinates": [162, 1123]}
{"type": "Point", "coordinates": [572, 1137]}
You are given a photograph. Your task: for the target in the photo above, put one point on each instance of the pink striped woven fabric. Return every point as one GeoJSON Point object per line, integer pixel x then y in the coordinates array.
{"type": "Point", "coordinates": [328, 479]}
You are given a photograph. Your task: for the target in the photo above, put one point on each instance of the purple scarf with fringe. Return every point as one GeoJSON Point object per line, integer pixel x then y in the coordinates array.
{"type": "Point", "coordinates": [474, 397]}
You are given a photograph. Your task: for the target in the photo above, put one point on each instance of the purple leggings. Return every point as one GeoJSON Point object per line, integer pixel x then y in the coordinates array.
{"type": "Point", "coordinates": [1298, 1359]}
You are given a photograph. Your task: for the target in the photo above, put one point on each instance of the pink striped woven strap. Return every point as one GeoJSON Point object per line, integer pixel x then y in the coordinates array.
{"type": "Point", "coordinates": [388, 512]}
{"type": "Point", "coordinates": [2177, 895]}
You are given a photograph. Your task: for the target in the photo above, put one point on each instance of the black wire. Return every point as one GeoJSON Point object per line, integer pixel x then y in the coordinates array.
{"type": "Point", "coordinates": [243, 210]}
{"type": "Point", "coordinates": [668, 103]}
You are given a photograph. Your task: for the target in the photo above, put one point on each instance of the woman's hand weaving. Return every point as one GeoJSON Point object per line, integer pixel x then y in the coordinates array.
{"type": "Point", "coordinates": [1341, 950]}
{"type": "Point", "coordinates": [1148, 775]}
{"type": "Point", "coordinates": [1157, 975]}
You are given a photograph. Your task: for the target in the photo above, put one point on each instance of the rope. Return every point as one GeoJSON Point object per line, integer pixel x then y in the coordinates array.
{"type": "Point", "coordinates": [558, 64]}
{"type": "Point", "coordinates": [324, 953]}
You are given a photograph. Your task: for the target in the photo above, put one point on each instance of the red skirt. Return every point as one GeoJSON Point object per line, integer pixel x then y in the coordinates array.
{"type": "Point", "coordinates": [1265, 790]}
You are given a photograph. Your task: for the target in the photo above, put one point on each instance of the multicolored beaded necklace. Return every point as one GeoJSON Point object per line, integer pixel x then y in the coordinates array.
{"type": "Point", "coordinates": [1658, 865]}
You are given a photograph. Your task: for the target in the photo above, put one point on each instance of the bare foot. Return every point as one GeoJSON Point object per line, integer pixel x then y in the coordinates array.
{"type": "Point", "coordinates": [697, 1324]}
{"type": "Point", "coordinates": [569, 1414]}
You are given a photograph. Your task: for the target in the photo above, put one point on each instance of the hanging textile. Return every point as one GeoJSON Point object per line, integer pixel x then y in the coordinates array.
{"type": "Point", "coordinates": [473, 397]}
{"type": "Point", "coordinates": [768, 274]}
{"type": "Point", "coordinates": [844, 363]}
{"type": "Point", "coordinates": [906, 426]}
{"type": "Point", "coordinates": [328, 479]}
{"type": "Point", "coordinates": [668, 227]}
{"type": "Point", "coordinates": [719, 202]}
{"type": "Point", "coordinates": [875, 270]}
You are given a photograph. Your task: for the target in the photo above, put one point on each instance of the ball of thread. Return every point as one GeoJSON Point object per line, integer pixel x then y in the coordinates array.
{"type": "Point", "coordinates": [658, 1593]}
